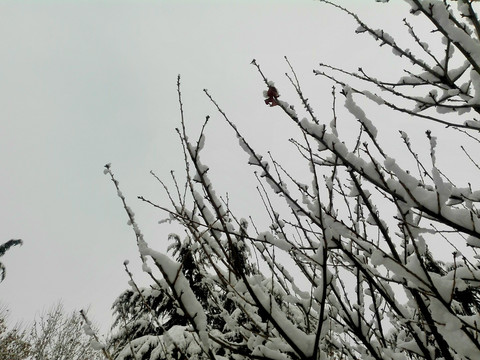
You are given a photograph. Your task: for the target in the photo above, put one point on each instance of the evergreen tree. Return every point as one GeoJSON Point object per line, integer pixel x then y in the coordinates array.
{"type": "Point", "coordinates": [467, 299]}
{"type": "Point", "coordinates": [144, 315]}
{"type": "Point", "coordinates": [3, 249]}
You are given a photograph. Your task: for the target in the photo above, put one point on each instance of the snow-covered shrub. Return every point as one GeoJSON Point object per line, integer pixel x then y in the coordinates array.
{"type": "Point", "coordinates": [359, 276]}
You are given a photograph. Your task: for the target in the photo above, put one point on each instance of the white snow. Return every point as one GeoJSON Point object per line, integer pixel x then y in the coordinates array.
{"type": "Point", "coordinates": [181, 287]}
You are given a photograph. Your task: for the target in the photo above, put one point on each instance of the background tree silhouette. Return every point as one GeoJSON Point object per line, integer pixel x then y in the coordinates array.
{"type": "Point", "coordinates": [3, 249]}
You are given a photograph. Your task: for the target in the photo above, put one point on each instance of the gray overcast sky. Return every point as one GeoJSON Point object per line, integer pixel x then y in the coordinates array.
{"type": "Point", "coordinates": [84, 83]}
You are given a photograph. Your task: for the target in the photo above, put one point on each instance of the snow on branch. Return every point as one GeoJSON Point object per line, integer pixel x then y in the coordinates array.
{"type": "Point", "coordinates": [370, 260]}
